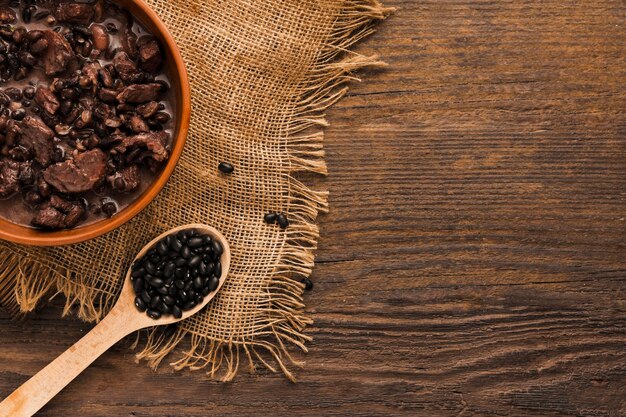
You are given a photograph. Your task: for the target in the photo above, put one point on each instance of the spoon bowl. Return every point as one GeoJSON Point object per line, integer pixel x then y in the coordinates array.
{"type": "Point", "coordinates": [126, 301]}
{"type": "Point", "coordinates": [121, 321]}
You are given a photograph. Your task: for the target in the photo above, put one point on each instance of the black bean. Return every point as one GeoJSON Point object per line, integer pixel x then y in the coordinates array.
{"type": "Point", "coordinates": [177, 312]}
{"type": "Point", "coordinates": [180, 284]}
{"type": "Point", "coordinates": [138, 285]}
{"type": "Point", "coordinates": [198, 283]}
{"type": "Point", "coordinates": [162, 248]}
{"type": "Point", "coordinates": [214, 282]}
{"type": "Point", "coordinates": [169, 300]}
{"type": "Point", "coordinates": [154, 314]}
{"type": "Point", "coordinates": [217, 271]}
{"type": "Point", "coordinates": [202, 269]}
{"type": "Point", "coordinates": [140, 304]}
{"type": "Point", "coordinates": [180, 262]}
{"type": "Point", "coordinates": [195, 242]}
{"type": "Point", "coordinates": [109, 209]}
{"type": "Point", "coordinates": [19, 114]}
{"type": "Point", "coordinates": [155, 301]}
{"type": "Point", "coordinates": [180, 273]}
{"type": "Point", "coordinates": [150, 268]}
{"type": "Point", "coordinates": [189, 305]}
{"type": "Point", "coordinates": [185, 252]}
{"type": "Point", "coordinates": [270, 218]}
{"type": "Point", "coordinates": [188, 285]}
{"type": "Point", "coordinates": [199, 299]}
{"type": "Point", "coordinates": [27, 13]}
{"type": "Point", "coordinates": [182, 236]}
{"type": "Point", "coordinates": [172, 291]}
{"type": "Point", "coordinates": [283, 222]}
{"type": "Point", "coordinates": [169, 269]}
{"type": "Point", "coordinates": [164, 308]}
{"type": "Point", "coordinates": [182, 295]}
{"type": "Point", "coordinates": [145, 296]}
{"type": "Point", "coordinates": [179, 302]}
{"type": "Point", "coordinates": [194, 262]}
{"type": "Point", "coordinates": [308, 284]}
{"type": "Point", "coordinates": [217, 248]}
{"type": "Point", "coordinates": [226, 168]}
{"type": "Point", "coordinates": [29, 92]}
{"type": "Point", "coordinates": [206, 291]}
{"type": "Point", "coordinates": [176, 245]}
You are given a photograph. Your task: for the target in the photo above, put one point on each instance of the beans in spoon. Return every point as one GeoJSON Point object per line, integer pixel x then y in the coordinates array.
{"type": "Point", "coordinates": [176, 274]}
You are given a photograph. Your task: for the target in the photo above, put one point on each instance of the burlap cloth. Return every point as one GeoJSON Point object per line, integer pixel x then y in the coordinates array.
{"type": "Point", "coordinates": [262, 74]}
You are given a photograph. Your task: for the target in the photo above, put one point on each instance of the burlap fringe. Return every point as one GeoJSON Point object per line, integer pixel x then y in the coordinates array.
{"type": "Point", "coordinates": [285, 311]}
{"type": "Point", "coordinates": [27, 281]}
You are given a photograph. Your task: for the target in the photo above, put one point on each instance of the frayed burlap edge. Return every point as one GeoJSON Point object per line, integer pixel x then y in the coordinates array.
{"type": "Point", "coordinates": [324, 86]}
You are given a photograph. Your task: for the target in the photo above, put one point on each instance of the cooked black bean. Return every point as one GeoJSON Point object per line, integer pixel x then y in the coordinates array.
{"type": "Point", "coordinates": [29, 92]}
{"type": "Point", "coordinates": [109, 209]}
{"type": "Point", "coordinates": [270, 218]}
{"type": "Point", "coordinates": [283, 222]}
{"type": "Point", "coordinates": [226, 168]}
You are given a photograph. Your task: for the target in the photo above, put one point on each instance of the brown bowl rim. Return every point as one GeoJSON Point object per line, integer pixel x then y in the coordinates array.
{"type": "Point", "coordinates": [33, 237]}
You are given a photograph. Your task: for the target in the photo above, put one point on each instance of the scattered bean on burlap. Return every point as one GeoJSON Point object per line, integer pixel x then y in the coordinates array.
{"type": "Point", "coordinates": [262, 73]}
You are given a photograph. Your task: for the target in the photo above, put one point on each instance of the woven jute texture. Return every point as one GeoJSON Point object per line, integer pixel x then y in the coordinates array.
{"type": "Point", "coordinates": [262, 72]}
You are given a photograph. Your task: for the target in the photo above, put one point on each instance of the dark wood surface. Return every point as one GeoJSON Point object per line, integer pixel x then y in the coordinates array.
{"type": "Point", "coordinates": [474, 259]}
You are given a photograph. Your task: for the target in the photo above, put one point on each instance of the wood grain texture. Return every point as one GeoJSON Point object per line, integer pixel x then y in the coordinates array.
{"type": "Point", "coordinates": [473, 262]}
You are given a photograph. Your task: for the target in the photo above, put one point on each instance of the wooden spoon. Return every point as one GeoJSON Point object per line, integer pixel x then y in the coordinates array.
{"type": "Point", "coordinates": [123, 320]}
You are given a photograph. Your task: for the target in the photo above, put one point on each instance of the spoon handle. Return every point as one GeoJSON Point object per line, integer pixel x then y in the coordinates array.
{"type": "Point", "coordinates": [41, 388]}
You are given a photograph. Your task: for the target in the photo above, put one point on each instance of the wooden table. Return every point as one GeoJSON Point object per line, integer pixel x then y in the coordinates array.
{"type": "Point", "coordinates": [474, 260]}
